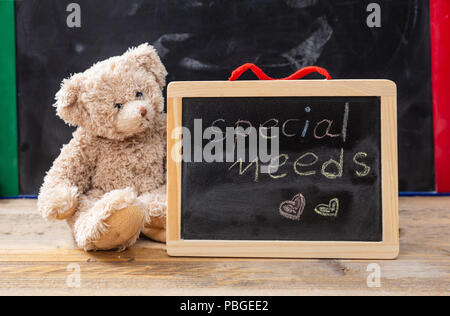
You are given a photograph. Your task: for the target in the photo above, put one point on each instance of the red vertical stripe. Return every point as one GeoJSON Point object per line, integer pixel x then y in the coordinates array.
{"type": "Point", "coordinates": [440, 34]}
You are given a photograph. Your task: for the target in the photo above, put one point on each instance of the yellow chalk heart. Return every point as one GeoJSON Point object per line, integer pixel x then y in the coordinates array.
{"type": "Point", "coordinates": [330, 210]}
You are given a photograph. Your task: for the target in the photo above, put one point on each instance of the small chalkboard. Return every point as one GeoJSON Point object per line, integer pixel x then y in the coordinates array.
{"type": "Point", "coordinates": [283, 169]}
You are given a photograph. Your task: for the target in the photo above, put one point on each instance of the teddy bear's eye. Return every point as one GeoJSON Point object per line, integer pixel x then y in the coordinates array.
{"type": "Point", "coordinates": [118, 106]}
{"type": "Point", "coordinates": [139, 94]}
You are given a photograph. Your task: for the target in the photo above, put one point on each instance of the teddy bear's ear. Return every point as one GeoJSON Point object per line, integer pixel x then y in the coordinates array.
{"type": "Point", "coordinates": [67, 100]}
{"type": "Point", "coordinates": [147, 57]}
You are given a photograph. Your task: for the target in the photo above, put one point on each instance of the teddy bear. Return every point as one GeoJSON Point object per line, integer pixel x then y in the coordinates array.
{"type": "Point", "coordinates": [109, 182]}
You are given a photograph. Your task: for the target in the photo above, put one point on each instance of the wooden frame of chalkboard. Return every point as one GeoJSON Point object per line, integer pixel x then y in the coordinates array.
{"type": "Point", "coordinates": [387, 248]}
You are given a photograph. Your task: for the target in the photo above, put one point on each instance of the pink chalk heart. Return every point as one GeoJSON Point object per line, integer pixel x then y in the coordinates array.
{"type": "Point", "coordinates": [293, 209]}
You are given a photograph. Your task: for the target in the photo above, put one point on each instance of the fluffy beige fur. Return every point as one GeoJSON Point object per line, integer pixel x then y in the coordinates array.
{"type": "Point", "coordinates": [109, 181]}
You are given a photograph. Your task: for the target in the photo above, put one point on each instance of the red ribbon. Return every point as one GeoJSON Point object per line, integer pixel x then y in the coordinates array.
{"type": "Point", "coordinates": [262, 76]}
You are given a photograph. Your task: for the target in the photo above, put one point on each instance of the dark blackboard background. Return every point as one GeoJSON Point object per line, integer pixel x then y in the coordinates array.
{"type": "Point", "coordinates": [207, 39]}
{"type": "Point", "coordinates": [218, 204]}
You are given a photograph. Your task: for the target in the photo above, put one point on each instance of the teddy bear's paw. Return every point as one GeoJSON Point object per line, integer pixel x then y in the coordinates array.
{"type": "Point", "coordinates": [112, 222]}
{"type": "Point", "coordinates": [155, 207]}
{"type": "Point", "coordinates": [124, 227]}
{"type": "Point", "coordinates": [58, 203]}
{"type": "Point", "coordinates": [156, 229]}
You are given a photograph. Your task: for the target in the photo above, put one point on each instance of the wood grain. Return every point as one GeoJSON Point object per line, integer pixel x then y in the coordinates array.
{"type": "Point", "coordinates": [389, 169]}
{"type": "Point", "coordinates": [174, 167]}
{"type": "Point", "coordinates": [300, 88]}
{"type": "Point", "coordinates": [34, 256]}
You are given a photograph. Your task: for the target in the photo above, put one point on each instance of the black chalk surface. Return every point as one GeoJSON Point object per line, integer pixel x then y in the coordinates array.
{"type": "Point", "coordinates": [207, 39]}
{"type": "Point", "coordinates": [321, 197]}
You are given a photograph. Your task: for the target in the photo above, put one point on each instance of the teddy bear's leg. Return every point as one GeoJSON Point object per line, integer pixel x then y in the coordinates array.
{"type": "Point", "coordinates": [155, 206]}
{"type": "Point", "coordinates": [106, 222]}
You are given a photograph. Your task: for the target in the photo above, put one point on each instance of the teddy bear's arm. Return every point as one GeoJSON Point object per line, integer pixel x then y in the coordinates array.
{"type": "Point", "coordinates": [69, 176]}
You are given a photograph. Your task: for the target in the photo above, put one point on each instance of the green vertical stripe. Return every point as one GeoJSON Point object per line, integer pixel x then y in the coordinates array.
{"type": "Point", "coordinates": [9, 183]}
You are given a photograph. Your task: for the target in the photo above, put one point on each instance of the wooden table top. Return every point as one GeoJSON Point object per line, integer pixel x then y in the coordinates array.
{"type": "Point", "coordinates": [39, 258]}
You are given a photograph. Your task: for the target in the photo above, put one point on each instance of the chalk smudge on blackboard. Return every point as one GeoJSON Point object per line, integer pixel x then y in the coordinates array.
{"type": "Point", "coordinates": [169, 38]}
{"type": "Point", "coordinates": [134, 9]}
{"type": "Point", "coordinates": [309, 51]}
{"type": "Point", "coordinates": [194, 64]}
{"type": "Point", "coordinates": [79, 48]}
{"type": "Point", "coordinates": [300, 4]}
{"type": "Point", "coordinates": [195, 4]}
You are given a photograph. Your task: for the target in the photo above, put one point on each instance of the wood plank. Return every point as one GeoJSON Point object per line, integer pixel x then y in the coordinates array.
{"type": "Point", "coordinates": [34, 257]}
{"type": "Point", "coordinates": [174, 148]}
{"type": "Point", "coordinates": [301, 88]}
{"type": "Point", "coordinates": [389, 169]}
